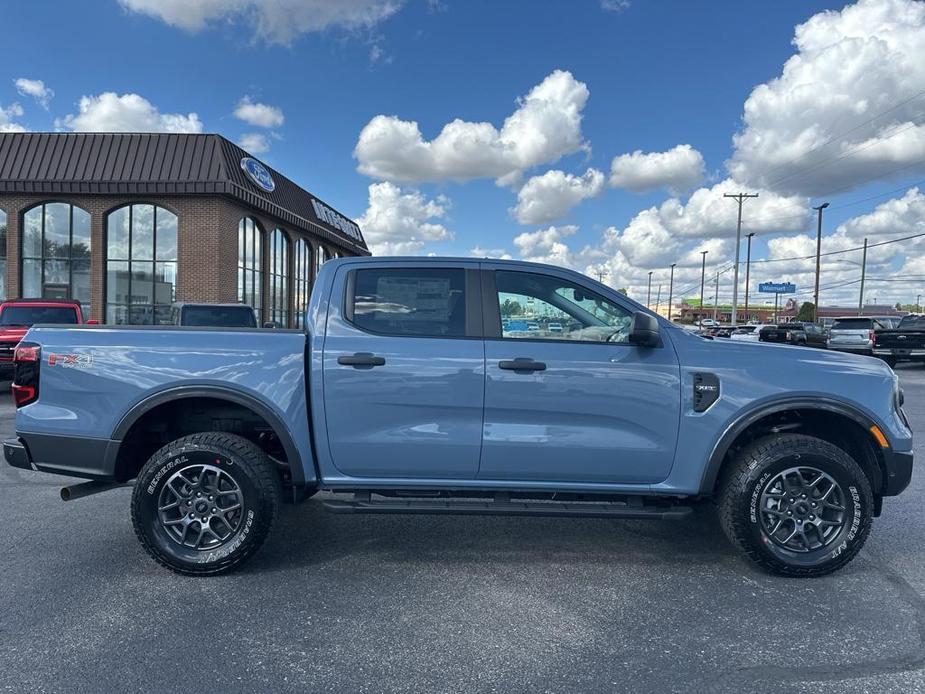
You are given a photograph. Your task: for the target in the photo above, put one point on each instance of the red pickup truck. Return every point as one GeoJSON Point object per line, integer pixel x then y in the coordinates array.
{"type": "Point", "coordinates": [18, 315]}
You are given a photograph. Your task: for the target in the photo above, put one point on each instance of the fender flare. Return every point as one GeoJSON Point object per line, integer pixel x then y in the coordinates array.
{"type": "Point", "coordinates": [722, 446]}
{"type": "Point", "coordinates": [296, 466]}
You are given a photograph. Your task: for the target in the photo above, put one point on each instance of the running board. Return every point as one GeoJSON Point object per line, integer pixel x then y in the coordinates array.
{"type": "Point", "coordinates": [362, 503]}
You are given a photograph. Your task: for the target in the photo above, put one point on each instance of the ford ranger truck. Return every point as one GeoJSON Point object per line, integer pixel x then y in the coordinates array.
{"type": "Point", "coordinates": [18, 315]}
{"type": "Point", "coordinates": [407, 394]}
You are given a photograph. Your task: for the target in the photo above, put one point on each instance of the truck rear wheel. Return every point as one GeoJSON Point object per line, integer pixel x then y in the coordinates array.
{"type": "Point", "coordinates": [203, 504]}
{"type": "Point", "coordinates": [796, 505]}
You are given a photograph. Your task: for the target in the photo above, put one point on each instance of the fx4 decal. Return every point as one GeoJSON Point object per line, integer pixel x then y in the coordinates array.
{"type": "Point", "coordinates": [74, 361]}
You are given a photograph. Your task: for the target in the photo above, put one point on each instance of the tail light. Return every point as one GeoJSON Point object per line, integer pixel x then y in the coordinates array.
{"type": "Point", "coordinates": [872, 336]}
{"type": "Point", "coordinates": [27, 357]}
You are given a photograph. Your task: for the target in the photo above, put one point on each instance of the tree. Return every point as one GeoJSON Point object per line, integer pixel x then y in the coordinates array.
{"type": "Point", "coordinates": [511, 308]}
{"type": "Point", "coordinates": [806, 312]}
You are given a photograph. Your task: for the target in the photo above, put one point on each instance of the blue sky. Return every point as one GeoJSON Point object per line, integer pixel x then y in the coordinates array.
{"type": "Point", "coordinates": [657, 75]}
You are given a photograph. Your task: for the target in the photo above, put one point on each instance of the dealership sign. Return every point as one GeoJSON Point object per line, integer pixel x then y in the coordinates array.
{"type": "Point", "coordinates": [326, 214]}
{"type": "Point", "coordinates": [777, 288]}
{"type": "Point", "coordinates": [258, 173]}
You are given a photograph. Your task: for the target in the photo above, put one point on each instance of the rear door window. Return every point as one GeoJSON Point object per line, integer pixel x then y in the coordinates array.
{"type": "Point", "coordinates": [425, 302]}
{"type": "Point", "coordinates": [852, 324]}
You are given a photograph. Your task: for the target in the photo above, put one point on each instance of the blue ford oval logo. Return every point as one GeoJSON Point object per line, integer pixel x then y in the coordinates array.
{"type": "Point", "coordinates": [258, 173]}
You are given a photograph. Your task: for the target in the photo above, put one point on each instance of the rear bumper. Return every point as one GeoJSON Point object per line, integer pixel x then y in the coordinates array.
{"type": "Point", "coordinates": [898, 469]}
{"type": "Point", "coordinates": [75, 456]}
{"type": "Point", "coordinates": [859, 348]}
{"type": "Point", "coordinates": [899, 353]}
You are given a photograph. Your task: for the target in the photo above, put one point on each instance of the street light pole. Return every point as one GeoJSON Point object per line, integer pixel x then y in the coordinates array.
{"type": "Point", "coordinates": [818, 255]}
{"type": "Point", "coordinates": [716, 298]}
{"type": "Point", "coordinates": [748, 261]}
{"type": "Point", "coordinates": [649, 292]}
{"type": "Point", "coordinates": [863, 274]}
{"type": "Point", "coordinates": [740, 198]}
{"type": "Point", "coordinates": [670, 290]}
{"type": "Point", "coordinates": [703, 274]}
{"type": "Point", "coordinates": [918, 301]}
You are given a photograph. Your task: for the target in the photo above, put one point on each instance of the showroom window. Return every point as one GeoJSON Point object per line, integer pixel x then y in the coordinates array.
{"type": "Point", "coordinates": [2, 254]}
{"type": "Point", "coordinates": [548, 308]}
{"type": "Point", "coordinates": [415, 302]}
{"type": "Point", "coordinates": [323, 257]}
{"type": "Point", "coordinates": [56, 253]}
{"type": "Point", "coordinates": [279, 278]}
{"type": "Point", "coordinates": [303, 279]}
{"type": "Point", "coordinates": [141, 265]}
{"type": "Point", "coordinates": [250, 269]}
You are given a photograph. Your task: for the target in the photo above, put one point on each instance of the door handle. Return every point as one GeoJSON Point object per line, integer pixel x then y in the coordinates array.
{"type": "Point", "coordinates": [361, 359]}
{"type": "Point", "coordinates": [522, 365]}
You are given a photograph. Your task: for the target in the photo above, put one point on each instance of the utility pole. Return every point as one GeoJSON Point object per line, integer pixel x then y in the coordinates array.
{"type": "Point", "coordinates": [600, 276]}
{"type": "Point", "coordinates": [658, 298]}
{"type": "Point", "coordinates": [703, 274]}
{"type": "Point", "coordinates": [716, 298]}
{"type": "Point", "coordinates": [740, 198]}
{"type": "Point", "coordinates": [670, 290]}
{"type": "Point", "coordinates": [818, 255]}
{"type": "Point", "coordinates": [918, 301]}
{"type": "Point", "coordinates": [863, 273]}
{"type": "Point", "coordinates": [649, 292]}
{"type": "Point", "coordinates": [748, 262]}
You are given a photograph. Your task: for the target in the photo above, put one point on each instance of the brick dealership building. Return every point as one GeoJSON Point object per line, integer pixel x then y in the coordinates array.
{"type": "Point", "coordinates": [129, 223]}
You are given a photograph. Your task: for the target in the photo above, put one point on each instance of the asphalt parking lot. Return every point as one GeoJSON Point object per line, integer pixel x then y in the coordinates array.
{"type": "Point", "coordinates": [444, 604]}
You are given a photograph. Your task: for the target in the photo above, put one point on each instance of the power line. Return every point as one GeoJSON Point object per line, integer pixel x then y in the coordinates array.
{"type": "Point", "coordinates": [846, 250]}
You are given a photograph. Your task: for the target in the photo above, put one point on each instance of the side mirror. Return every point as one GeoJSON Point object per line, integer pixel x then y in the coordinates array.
{"type": "Point", "coordinates": [644, 330]}
{"type": "Point", "coordinates": [271, 324]}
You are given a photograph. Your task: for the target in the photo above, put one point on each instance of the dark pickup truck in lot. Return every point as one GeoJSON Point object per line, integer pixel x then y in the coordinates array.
{"type": "Point", "coordinates": [800, 334]}
{"type": "Point", "coordinates": [407, 393]}
{"type": "Point", "coordinates": [905, 342]}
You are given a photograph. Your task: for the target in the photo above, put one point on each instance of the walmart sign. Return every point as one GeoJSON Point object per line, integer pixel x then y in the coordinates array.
{"type": "Point", "coordinates": [777, 288]}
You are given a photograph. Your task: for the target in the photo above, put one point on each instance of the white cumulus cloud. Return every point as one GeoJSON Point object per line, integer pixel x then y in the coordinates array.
{"type": "Point", "coordinates": [549, 196]}
{"type": "Point", "coordinates": [679, 170]}
{"type": "Point", "coordinates": [545, 126]}
{"type": "Point", "coordinates": [401, 222]}
{"type": "Point", "coordinates": [275, 21]}
{"type": "Point", "coordinates": [255, 143]}
{"type": "Point", "coordinates": [111, 112]}
{"type": "Point", "coordinates": [847, 107]}
{"type": "Point", "coordinates": [36, 89]}
{"type": "Point", "coordinates": [259, 115]}
{"type": "Point", "coordinates": [7, 114]}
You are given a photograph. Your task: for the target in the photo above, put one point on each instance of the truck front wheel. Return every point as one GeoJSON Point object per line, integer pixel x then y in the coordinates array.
{"type": "Point", "coordinates": [203, 504]}
{"type": "Point", "coordinates": [796, 505]}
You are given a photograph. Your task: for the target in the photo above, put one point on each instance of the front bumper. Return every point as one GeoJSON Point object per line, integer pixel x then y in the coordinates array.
{"type": "Point", "coordinates": [898, 472]}
{"type": "Point", "coordinates": [93, 459]}
{"type": "Point", "coordinates": [899, 353]}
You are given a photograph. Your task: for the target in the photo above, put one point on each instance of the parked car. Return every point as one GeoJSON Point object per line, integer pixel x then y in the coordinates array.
{"type": "Point", "coordinates": [708, 323]}
{"type": "Point", "coordinates": [746, 333]}
{"type": "Point", "coordinates": [213, 315]}
{"type": "Point", "coordinates": [854, 334]}
{"type": "Point", "coordinates": [796, 333]}
{"type": "Point", "coordinates": [406, 395]}
{"type": "Point", "coordinates": [906, 342]}
{"type": "Point", "coordinates": [18, 315]}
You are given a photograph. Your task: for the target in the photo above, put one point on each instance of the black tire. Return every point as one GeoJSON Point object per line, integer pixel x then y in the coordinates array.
{"type": "Point", "coordinates": [749, 477]}
{"type": "Point", "coordinates": [196, 472]}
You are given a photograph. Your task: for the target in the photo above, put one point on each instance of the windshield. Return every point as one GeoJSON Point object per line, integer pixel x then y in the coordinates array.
{"type": "Point", "coordinates": [30, 315]}
{"type": "Point", "coordinates": [912, 323]}
{"type": "Point", "coordinates": [219, 316]}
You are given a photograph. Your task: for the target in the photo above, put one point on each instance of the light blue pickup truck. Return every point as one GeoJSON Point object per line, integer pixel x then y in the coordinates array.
{"type": "Point", "coordinates": [407, 394]}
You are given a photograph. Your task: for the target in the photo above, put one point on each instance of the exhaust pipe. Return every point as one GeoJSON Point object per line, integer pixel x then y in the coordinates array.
{"type": "Point", "coordinates": [76, 491]}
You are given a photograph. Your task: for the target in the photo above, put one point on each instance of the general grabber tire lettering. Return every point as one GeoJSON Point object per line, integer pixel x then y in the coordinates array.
{"type": "Point", "coordinates": [796, 505]}
{"type": "Point", "coordinates": [203, 504]}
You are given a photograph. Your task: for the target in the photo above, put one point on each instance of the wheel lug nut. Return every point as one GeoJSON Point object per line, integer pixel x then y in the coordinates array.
{"type": "Point", "coordinates": [789, 513]}
{"type": "Point", "coordinates": [192, 515]}
{"type": "Point", "coordinates": [814, 504]}
{"type": "Point", "coordinates": [210, 497]}
{"type": "Point", "coordinates": [214, 510]}
{"type": "Point", "coordinates": [198, 494]}
{"type": "Point", "coordinates": [802, 496]}
{"type": "Point", "coordinates": [812, 517]}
